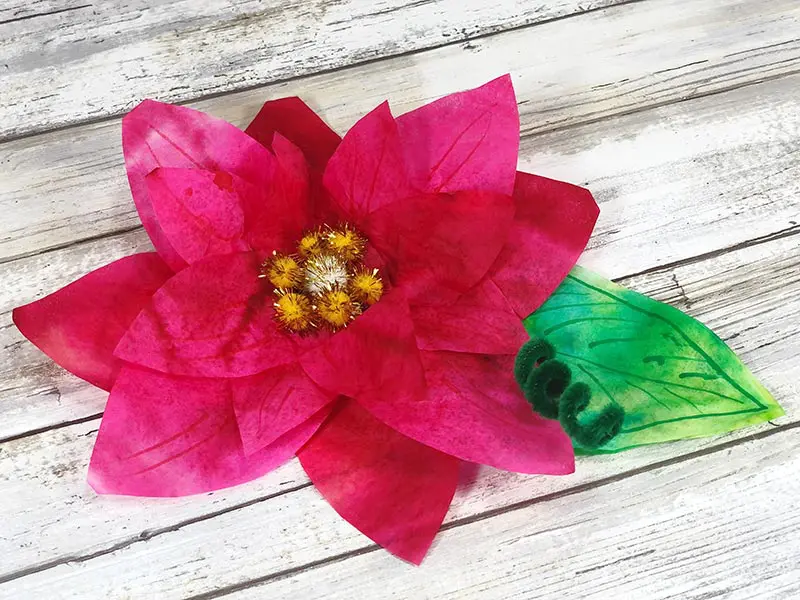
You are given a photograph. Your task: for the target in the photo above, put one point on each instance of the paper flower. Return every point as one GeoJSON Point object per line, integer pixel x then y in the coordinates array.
{"type": "Point", "coordinates": [355, 301]}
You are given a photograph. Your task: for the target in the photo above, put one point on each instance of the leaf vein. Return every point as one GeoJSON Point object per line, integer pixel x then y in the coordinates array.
{"type": "Point", "coordinates": [686, 338]}
{"type": "Point", "coordinates": [650, 379]}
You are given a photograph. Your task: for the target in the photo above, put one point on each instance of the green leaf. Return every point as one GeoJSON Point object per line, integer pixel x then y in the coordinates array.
{"type": "Point", "coordinates": [673, 376]}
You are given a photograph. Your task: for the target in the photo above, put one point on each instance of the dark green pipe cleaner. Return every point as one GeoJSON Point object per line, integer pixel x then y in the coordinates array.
{"type": "Point", "coordinates": [544, 387]}
{"type": "Point", "coordinates": [545, 382]}
{"type": "Point", "coordinates": [531, 355]}
{"type": "Point", "coordinates": [594, 432]}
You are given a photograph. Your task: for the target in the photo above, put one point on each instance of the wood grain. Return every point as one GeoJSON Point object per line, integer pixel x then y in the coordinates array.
{"type": "Point", "coordinates": [86, 61]}
{"type": "Point", "coordinates": [69, 185]}
{"type": "Point", "coordinates": [709, 527]}
{"type": "Point", "coordinates": [682, 118]}
{"type": "Point", "coordinates": [102, 535]}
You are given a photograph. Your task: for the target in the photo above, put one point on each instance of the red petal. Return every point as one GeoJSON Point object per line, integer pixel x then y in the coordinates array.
{"type": "Point", "coordinates": [293, 119]}
{"type": "Point", "coordinates": [553, 223]}
{"type": "Point", "coordinates": [391, 488]}
{"type": "Point", "coordinates": [200, 211]}
{"type": "Point", "coordinates": [368, 170]}
{"type": "Point", "coordinates": [276, 218]}
{"type": "Point", "coordinates": [213, 319]}
{"type": "Point", "coordinates": [171, 436]}
{"type": "Point", "coordinates": [441, 244]}
{"type": "Point", "coordinates": [80, 325]}
{"type": "Point", "coordinates": [375, 356]}
{"type": "Point", "coordinates": [468, 140]}
{"type": "Point", "coordinates": [473, 410]}
{"type": "Point", "coordinates": [271, 403]}
{"type": "Point", "coordinates": [481, 322]}
{"type": "Point", "coordinates": [162, 135]}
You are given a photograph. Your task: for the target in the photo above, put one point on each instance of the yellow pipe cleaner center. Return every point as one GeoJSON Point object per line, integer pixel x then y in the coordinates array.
{"type": "Point", "coordinates": [325, 284]}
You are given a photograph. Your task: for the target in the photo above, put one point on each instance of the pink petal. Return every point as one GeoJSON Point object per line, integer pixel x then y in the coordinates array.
{"type": "Point", "coordinates": [374, 356]}
{"type": "Point", "coordinates": [171, 436]}
{"type": "Point", "coordinates": [294, 120]}
{"type": "Point", "coordinates": [368, 170]}
{"type": "Point", "coordinates": [481, 322]}
{"type": "Point", "coordinates": [269, 404]}
{"type": "Point", "coordinates": [389, 487]}
{"type": "Point", "coordinates": [162, 135]}
{"type": "Point", "coordinates": [213, 319]}
{"type": "Point", "coordinates": [80, 325]}
{"type": "Point", "coordinates": [276, 218]}
{"type": "Point", "coordinates": [474, 410]}
{"type": "Point", "coordinates": [552, 226]}
{"type": "Point", "coordinates": [468, 140]}
{"type": "Point", "coordinates": [215, 212]}
{"type": "Point", "coordinates": [440, 246]}
{"type": "Point", "coordinates": [200, 211]}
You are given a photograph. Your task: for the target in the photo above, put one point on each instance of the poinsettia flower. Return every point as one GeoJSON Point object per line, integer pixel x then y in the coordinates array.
{"type": "Point", "coordinates": [208, 390]}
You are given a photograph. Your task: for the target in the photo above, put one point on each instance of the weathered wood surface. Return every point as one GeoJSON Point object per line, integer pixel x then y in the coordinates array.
{"type": "Point", "coordinates": [706, 527]}
{"type": "Point", "coordinates": [683, 118]}
{"type": "Point", "coordinates": [76, 61]}
{"type": "Point", "coordinates": [66, 186]}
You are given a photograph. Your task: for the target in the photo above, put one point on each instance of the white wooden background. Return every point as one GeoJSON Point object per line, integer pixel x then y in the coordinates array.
{"type": "Point", "coordinates": [683, 117]}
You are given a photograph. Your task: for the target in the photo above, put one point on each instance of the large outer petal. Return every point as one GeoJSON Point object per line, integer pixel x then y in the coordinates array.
{"type": "Point", "coordinates": [171, 436]}
{"type": "Point", "coordinates": [213, 319]}
{"type": "Point", "coordinates": [294, 120]}
{"type": "Point", "coordinates": [474, 410]}
{"type": "Point", "coordinates": [162, 135]}
{"type": "Point", "coordinates": [464, 141]}
{"type": "Point", "coordinates": [480, 322]}
{"type": "Point", "coordinates": [391, 488]}
{"type": "Point", "coordinates": [552, 226]}
{"type": "Point", "coordinates": [438, 246]}
{"type": "Point", "coordinates": [375, 356]}
{"type": "Point", "coordinates": [269, 404]}
{"type": "Point", "coordinates": [368, 169]}
{"type": "Point", "coordinates": [80, 325]}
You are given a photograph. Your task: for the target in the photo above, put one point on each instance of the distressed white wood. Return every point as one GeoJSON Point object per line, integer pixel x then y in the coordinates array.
{"type": "Point", "coordinates": [672, 182]}
{"type": "Point", "coordinates": [707, 187]}
{"type": "Point", "coordinates": [87, 60]}
{"type": "Point", "coordinates": [58, 188]}
{"type": "Point", "coordinates": [761, 282]}
{"type": "Point", "coordinates": [717, 526]}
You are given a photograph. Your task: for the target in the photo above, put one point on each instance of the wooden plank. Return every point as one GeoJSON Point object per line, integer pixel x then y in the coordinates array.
{"type": "Point", "coordinates": [751, 296]}
{"type": "Point", "coordinates": [720, 525]}
{"type": "Point", "coordinates": [88, 61]}
{"type": "Point", "coordinates": [719, 178]}
{"type": "Point", "coordinates": [69, 185]}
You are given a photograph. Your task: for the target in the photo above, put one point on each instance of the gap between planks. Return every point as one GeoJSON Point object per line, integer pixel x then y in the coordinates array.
{"type": "Point", "coordinates": [146, 535]}
{"type": "Point", "coordinates": [44, 14]}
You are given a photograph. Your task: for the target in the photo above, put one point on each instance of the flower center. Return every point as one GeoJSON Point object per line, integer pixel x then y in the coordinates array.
{"type": "Point", "coordinates": [324, 273]}
{"type": "Point", "coordinates": [325, 284]}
